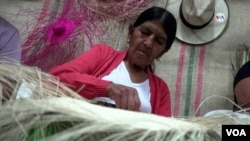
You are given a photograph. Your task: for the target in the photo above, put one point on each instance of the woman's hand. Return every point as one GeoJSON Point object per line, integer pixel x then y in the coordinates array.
{"type": "Point", "coordinates": [124, 97]}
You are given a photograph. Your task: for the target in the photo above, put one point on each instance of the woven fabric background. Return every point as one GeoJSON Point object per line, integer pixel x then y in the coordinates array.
{"type": "Point", "coordinates": [199, 77]}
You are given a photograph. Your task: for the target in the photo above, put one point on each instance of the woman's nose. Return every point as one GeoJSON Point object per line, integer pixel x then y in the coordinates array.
{"type": "Point", "coordinates": [149, 42]}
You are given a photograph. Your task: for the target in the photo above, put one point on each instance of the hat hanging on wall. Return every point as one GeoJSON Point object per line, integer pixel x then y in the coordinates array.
{"type": "Point", "coordinates": [199, 21]}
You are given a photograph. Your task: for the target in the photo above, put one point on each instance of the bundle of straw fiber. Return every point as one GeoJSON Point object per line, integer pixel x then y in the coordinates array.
{"type": "Point", "coordinates": [68, 119]}
{"type": "Point", "coordinates": [54, 112]}
{"type": "Point", "coordinates": [215, 119]}
{"type": "Point", "coordinates": [117, 9]}
{"type": "Point", "coordinates": [16, 78]}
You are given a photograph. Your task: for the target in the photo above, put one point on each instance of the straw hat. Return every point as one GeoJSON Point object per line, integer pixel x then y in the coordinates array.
{"type": "Point", "coordinates": [199, 21]}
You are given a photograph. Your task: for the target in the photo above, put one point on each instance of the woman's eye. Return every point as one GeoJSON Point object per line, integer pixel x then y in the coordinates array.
{"type": "Point", "coordinates": [161, 42]}
{"type": "Point", "coordinates": [144, 32]}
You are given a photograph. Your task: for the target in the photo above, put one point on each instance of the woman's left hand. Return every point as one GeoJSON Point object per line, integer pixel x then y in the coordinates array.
{"type": "Point", "coordinates": [124, 97]}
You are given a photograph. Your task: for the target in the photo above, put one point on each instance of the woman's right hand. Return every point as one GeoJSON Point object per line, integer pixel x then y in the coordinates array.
{"type": "Point", "coordinates": [124, 97]}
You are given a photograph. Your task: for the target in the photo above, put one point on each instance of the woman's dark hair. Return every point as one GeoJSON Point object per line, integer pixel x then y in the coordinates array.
{"type": "Point", "coordinates": [167, 19]}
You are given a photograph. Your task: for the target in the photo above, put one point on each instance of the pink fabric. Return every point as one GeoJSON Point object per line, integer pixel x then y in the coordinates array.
{"type": "Point", "coordinates": [200, 80]}
{"type": "Point", "coordinates": [178, 84]}
{"type": "Point", "coordinates": [88, 69]}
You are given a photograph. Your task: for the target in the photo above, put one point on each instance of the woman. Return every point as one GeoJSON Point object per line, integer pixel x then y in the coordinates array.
{"type": "Point", "coordinates": [241, 87]}
{"type": "Point", "coordinates": [10, 51]}
{"type": "Point", "coordinates": [241, 95]}
{"type": "Point", "coordinates": [10, 42]}
{"type": "Point", "coordinates": [125, 78]}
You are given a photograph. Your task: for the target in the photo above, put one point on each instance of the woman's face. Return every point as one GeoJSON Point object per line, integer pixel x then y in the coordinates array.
{"type": "Point", "coordinates": [146, 42]}
{"type": "Point", "coordinates": [242, 92]}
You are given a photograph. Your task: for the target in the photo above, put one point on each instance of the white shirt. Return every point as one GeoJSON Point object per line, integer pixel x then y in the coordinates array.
{"type": "Point", "coordinates": [121, 76]}
{"type": "Point", "coordinates": [239, 115]}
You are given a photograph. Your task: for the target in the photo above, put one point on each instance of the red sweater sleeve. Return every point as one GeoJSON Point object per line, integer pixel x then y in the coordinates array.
{"type": "Point", "coordinates": [165, 102]}
{"type": "Point", "coordinates": [160, 96]}
{"type": "Point", "coordinates": [80, 74]}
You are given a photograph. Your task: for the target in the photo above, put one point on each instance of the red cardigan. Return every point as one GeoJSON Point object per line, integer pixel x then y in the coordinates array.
{"type": "Point", "coordinates": [88, 69]}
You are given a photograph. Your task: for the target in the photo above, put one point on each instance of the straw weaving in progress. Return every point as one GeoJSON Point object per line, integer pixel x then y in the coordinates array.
{"type": "Point", "coordinates": [54, 112]}
{"type": "Point", "coordinates": [124, 70]}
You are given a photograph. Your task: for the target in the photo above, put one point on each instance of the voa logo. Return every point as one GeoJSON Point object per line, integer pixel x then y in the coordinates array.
{"type": "Point", "coordinates": [220, 17]}
{"type": "Point", "coordinates": [236, 132]}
